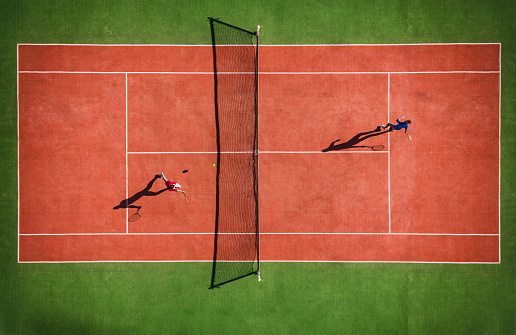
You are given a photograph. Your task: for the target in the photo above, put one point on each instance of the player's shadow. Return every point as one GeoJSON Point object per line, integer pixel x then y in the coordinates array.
{"type": "Point", "coordinates": [146, 192]}
{"type": "Point", "coordinates": [352, 143]}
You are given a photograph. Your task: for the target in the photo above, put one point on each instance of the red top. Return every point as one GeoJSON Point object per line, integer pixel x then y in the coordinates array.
{"type": "Point", "coordinates": [170, 185]}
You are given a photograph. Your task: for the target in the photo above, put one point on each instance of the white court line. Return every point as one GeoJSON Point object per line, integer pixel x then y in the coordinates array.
{"type": "Point", "coordinates": [261, 261]}
{"type": "Point", "coordinates": [359, 45]}
{"type": "Point", "coordinates": [138, 72]}
{"type": "Point", "coordinates": [500, 156]}
{"type": "Point", "coordinates": [377, 72]}
{"type": "Point", "coordinates": [326, 153]}
{"type": "Point", "coordinates": [187, 152]}
{"type": "Point", "coordinates": [261, 45]}
{"type": "Point", "coordinates": [395, 262]}
{"type": "Point", "coordinates": [129, 234]}
{"type": "Point", "coordinates": [291, 233]}
{"type": "Point", "coordinates": [18, 141]}
{"type": "Point", "coordinates": [120, 45]}
{"type": "Point", "coordinates": [126, 162]}
{"type": "Point", "coordinates": [389, 147]}
{"type": "Point", "coordinates": [252, 152]}
{"type": "Point", "coordinates": [118, 261]}
{"type": "Point", "coordinates": [262, 73]}
{"type": "Point", "coordinates": [399, 234]}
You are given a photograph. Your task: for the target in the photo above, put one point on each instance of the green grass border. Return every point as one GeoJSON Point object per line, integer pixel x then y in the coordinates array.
{"type": "Point", "coordinates": [334, 298]}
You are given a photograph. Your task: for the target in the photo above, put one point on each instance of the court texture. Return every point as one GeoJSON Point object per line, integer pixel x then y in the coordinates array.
{"type": "Point", "coordinates": [414, 237]}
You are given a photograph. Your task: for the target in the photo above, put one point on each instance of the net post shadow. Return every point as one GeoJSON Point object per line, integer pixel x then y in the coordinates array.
{"type": "Point", "coordinates": [352, 143]}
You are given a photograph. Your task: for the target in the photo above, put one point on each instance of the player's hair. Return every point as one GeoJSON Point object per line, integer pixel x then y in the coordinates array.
{"type": "Point", "coordinates": [408, 121]}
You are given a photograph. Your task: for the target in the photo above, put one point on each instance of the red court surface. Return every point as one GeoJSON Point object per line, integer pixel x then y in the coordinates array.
{"type": "Point", "coordinates": [98, 122]}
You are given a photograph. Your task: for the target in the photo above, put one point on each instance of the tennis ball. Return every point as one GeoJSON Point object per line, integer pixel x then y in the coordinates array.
{"type": "Point", "coordinates": [212, 164]}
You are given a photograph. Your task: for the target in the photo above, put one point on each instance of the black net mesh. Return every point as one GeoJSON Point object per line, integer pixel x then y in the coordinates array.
{"type": "Point", "coordinates": [236, 235]}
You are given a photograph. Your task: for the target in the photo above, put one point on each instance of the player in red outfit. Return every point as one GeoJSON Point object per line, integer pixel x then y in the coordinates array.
{"type": "Point", "coordinates": [171, 185]}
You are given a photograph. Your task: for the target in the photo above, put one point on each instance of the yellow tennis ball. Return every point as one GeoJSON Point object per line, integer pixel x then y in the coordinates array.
{"type": "Point", "coordinates": [213, 164]}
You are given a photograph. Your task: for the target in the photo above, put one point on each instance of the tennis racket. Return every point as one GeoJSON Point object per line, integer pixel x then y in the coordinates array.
{"type": "Point", "coordinates": [185, 196]}
{"type": "Point", "coordinates": [409, 137]}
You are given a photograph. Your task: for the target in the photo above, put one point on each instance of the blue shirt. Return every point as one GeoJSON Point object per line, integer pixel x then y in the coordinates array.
{"type": "Point", "coordinates": [400, 125]}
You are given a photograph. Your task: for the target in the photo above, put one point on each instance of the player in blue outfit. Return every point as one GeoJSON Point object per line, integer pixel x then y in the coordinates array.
{"type": "Point", "coordinates": [398, 126]}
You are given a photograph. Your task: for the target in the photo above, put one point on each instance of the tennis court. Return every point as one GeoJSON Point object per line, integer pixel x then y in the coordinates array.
{"type": "Point", "coordinates": [114, 116]}
{"type": "Point", "coordinates": [416, 237]}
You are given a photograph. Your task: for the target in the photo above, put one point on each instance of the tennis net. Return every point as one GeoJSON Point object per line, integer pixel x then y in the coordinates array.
{"type": "Point", "coordinates": [235, 61]}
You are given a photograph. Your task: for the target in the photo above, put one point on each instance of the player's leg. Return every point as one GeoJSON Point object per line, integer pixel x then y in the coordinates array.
{"type": "Point", "coordinates": [388, 125]}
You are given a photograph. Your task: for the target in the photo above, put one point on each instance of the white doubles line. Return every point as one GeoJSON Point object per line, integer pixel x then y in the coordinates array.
{"type": "Point", "coordinates": [251, 152]}
{"type": "Point", "coordinates": [261, 73]}
{"type": "Point", "coordinates": [126, 162]}
{"type": "Point", "coordinates": [289, 233]}
{"type": "Point", "coordinates": [389, 147]}
{"type": "Point", "coordinates": [284, 233]}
